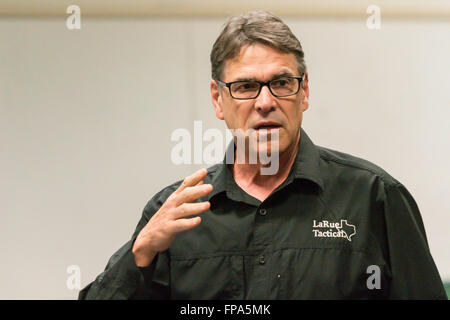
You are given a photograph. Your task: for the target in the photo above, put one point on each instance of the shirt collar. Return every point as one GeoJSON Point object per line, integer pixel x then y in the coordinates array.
{"type": "Point", "coordinates": [223, 176]}
{"type": "Point", "coordinates": [306, 166]}
{"type": "Point", "coordinates": [307, 161]}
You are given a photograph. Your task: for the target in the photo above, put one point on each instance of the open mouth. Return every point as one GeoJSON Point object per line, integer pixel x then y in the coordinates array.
{"type": "Point", "coordinates": [267, 127]}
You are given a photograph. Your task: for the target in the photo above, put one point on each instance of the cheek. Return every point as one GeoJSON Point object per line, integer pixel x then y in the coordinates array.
{"type": "Point", "coordinates": [295, 118]}
{"type": "Point", "coordinates": [238, 114]}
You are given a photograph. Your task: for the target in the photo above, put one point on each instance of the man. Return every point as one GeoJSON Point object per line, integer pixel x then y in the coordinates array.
{"type": "Point", "coordinates": [325, 225]}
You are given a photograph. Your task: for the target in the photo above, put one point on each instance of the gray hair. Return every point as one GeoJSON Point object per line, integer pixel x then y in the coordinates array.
{"type": "Point", "coordinates": [250, 28]}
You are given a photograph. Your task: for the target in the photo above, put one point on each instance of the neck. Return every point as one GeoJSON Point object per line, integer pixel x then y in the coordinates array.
{"type": "Point", "coordinates": [249, 177]}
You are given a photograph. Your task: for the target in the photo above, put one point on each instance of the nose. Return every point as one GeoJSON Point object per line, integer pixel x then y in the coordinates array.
{"type": "Point", "coordinates": [265, 101]}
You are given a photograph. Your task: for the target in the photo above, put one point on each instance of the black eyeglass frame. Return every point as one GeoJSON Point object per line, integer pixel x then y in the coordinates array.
{"type": "Point", "coordinates": [261, 85]}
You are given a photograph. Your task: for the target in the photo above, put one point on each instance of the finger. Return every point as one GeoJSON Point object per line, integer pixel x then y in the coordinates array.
{"type": "Point", "coordinates": [193, 179]}
{"type": "Point", "coordinates": [191, 194]}
{"type": "Point", "coordinates": [184, 224]}
{"type": "Point", "coordinates": [200, 183]}
{"type": "Point", "coordinates": [190, 209]}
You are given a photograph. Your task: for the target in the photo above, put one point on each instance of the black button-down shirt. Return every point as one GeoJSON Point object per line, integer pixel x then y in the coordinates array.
{"type": "Point", "coordinates": [338, 227]}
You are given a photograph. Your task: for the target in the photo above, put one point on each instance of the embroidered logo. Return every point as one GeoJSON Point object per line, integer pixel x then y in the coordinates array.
{"type": "Point", "coordinates": [327, 229]}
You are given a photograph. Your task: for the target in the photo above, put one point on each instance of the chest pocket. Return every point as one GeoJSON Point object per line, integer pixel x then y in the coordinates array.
{"type": "Point", "coordinates": [328, 273]}
{"type": "Point", "coordinates": [207, 277]}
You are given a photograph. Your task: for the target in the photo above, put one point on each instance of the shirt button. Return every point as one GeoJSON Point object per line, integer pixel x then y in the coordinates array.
{"type": "Point", "coordinates": [263, 212]}
{"type": "Point", "coordinates": [262, 260]}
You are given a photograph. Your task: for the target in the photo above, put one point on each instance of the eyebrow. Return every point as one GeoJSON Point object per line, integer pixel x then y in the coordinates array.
{"type": "Point", "coordinates": [275, 76]}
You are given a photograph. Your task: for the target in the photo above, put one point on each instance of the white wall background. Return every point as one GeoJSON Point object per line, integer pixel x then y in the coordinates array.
{"type": "Point", "coordinates": [86, 117]}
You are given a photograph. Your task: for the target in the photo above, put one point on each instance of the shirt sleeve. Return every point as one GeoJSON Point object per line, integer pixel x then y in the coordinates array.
{"type": "Point", "coordinates": [122, 279]}
{"type": "Point", "coordinates": [413, 272]}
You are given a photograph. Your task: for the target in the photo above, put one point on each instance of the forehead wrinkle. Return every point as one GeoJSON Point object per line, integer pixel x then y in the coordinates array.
{"type": "Point", "coordinates": [285, 73]}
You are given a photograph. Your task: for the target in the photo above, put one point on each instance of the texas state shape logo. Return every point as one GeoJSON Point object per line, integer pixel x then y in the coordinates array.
{"type": "Point", "coordinates": [348, 229]}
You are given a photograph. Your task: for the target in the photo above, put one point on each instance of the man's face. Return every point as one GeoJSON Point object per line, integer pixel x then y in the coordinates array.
{"type": "Point", "coordinates": [262, 63]}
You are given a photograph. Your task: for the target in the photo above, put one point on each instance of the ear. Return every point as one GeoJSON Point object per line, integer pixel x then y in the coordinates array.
{"type": "Point", "coordinates": [305, 93]}
{"type": "Point", "coordinates": [216, 98]}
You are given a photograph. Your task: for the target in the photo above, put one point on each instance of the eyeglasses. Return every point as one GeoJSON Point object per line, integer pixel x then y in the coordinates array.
{"type": "Point", "coordinates": [280, 87]}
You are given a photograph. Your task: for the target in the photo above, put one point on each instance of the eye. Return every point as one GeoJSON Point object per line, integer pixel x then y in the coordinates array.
{"type": "Point", "coordinates": [280, 83]}
{"type": "Point", "coordinates": [245, 86]}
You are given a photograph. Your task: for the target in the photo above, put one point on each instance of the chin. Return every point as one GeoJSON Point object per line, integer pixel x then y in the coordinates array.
{"type": "Point", "coordinates": [268, 149]}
